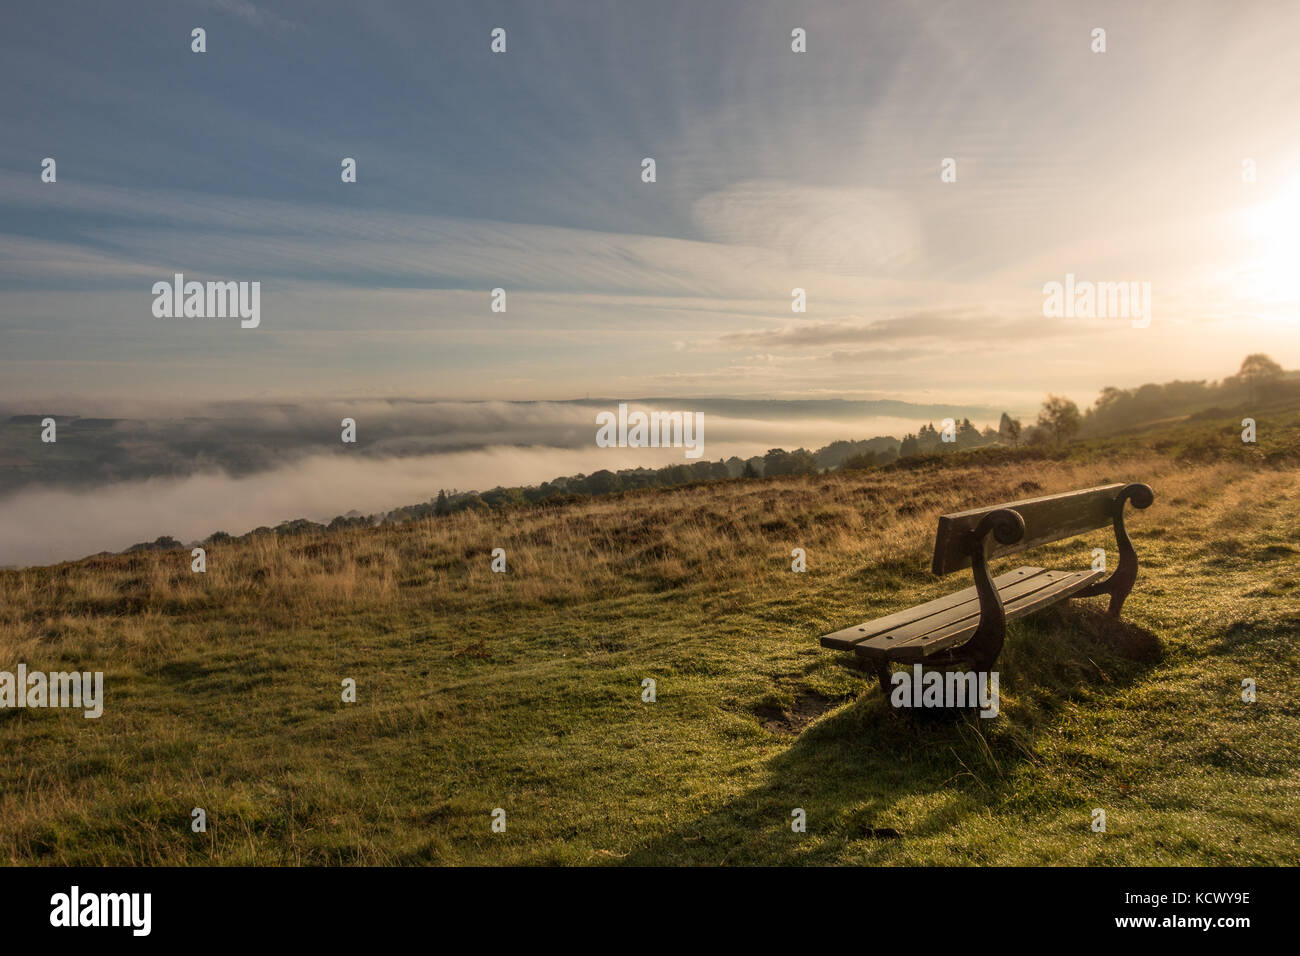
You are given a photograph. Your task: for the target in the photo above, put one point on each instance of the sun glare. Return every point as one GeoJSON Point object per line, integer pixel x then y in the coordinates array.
{"type": "Point", "coordinates": [1270, 231]}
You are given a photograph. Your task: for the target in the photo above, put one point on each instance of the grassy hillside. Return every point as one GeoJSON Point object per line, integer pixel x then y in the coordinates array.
{"type": "Point", "coordinates": [523, 690]}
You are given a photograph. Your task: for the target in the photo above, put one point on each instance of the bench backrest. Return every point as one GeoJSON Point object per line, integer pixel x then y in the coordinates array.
{"type": "Point", "coordinates": [1047, 519]}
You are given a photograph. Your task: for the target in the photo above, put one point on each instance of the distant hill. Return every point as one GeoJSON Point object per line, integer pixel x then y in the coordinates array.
{"type": "Point", "coordinates": [1208, 436]}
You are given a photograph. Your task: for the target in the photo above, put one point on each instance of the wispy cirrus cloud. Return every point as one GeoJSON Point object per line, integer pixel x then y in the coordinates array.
{"type": "Point", "coordinates": [954, 328]}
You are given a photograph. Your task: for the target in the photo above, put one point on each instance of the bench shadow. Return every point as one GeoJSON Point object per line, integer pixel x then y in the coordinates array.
{"type": "Point", "coordinates": [851, 768]}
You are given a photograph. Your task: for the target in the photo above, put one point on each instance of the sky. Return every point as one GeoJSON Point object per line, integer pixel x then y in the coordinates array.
{"type": "Point", "coordinates": [522, 170]}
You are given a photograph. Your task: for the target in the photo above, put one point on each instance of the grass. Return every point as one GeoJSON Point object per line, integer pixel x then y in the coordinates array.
{"type": "Point", "coordinates": [523, 690]}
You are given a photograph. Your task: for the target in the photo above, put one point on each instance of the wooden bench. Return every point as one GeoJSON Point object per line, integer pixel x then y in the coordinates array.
{"type": "Point", "coordinates": [970, 625]}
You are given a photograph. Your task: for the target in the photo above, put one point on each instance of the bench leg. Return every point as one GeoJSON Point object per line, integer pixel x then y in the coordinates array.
{"type": "Point", "coordinates": [982, 659]}
{"type": "Point", "coordinates": [1121, 582]}
{"type": "Point", "coordinates": [985, 644]}
{"type": "Point", "coordinates": [883, 675]}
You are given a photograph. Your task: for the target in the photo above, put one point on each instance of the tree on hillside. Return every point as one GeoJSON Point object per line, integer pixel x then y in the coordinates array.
{"type": "Point", "coordinates": [778, 462]}
{"type": "Point", "coordinates": [928, 439]}
{"type": "Point", "coordinates": [1258, 375]}
{"type": "Point", "coordinates": [603, 482]}
{"type": "Point", "coordinates": [1009, 430]}
{"type": "Point", "coordinates": [1059, 418]}
{"type": "Point", "coordinates": [909, 447]}
{"type": "Point", "coordinates": [968, 436]}
{"type": "Point", "coordinates": [748, 471]}
{"type": "Point", "coordinates": [1117, 408]}
{"type": "Point", "coordinates": [865, 459]}
{"type": "Point", "coordinates": [441, 506]}
{"type": "Point", "coordinates": [1109, 397]}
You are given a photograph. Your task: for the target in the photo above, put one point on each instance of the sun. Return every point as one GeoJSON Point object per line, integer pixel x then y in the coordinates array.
{"type": "Point", "coordinates": [1270, 235]}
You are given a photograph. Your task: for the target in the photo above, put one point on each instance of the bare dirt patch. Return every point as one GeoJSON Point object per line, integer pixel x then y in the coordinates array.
{"type": "Point", "coordinates": [808, 706]}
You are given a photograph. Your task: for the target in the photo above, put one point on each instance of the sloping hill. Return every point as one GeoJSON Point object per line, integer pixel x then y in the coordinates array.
{"type": "Point", "coordinates": [523, 690]}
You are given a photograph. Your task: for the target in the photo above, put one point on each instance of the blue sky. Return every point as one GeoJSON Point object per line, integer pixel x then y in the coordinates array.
{"type": "Point", "coordinates": [521, 170]}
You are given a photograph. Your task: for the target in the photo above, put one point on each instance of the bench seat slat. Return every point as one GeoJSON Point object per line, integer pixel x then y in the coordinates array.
{"type": "Point", "coordinates": [1012, 592]}
{"type": "Point", "coordinates": [849, 637]}
{"type": "Point", "coordinates": [950, 629]}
